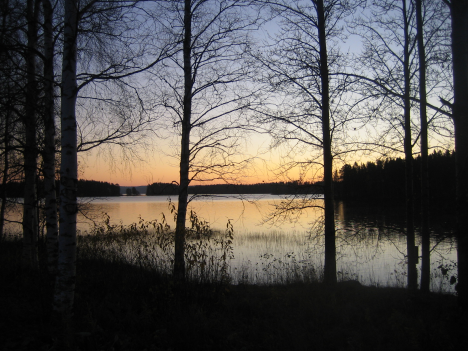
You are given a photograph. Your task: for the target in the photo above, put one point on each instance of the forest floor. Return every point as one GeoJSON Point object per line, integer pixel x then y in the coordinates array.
{"type": "Point", "coordinates": [123, 307]}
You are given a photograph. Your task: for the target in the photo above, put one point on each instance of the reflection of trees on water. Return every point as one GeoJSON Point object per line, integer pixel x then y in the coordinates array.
{"type": "Point", "coordinates": [365, 238]}
{"type": "Point", "coordinates": [371, 242]}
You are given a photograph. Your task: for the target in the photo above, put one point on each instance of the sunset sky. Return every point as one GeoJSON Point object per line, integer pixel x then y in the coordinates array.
{"type": "Point", "coordinates": [158, 166]}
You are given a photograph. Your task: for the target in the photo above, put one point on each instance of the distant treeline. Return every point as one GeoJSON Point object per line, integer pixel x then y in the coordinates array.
{"type": "Point", "coordinates": [132, 191]}
{"type": "Point", "coordinates": [385, 179]}
{"type": "Point", "coordinates": [260, 188]}
{"type": "Point", "coordinates": [86, 188]}
{"type": "Point", "coordinates": [93, 188]}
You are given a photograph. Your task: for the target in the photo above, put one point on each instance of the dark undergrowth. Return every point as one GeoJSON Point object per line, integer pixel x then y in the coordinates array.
{"type": "Point", "coordinates": [121, 306]}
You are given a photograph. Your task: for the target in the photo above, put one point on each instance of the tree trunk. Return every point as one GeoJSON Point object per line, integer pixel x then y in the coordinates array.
{"type": "Point", "coordinates": [30, 230]}
{"type": "Point", "coordinates": [179, 259]}
{"type": "Point", "coordinates": [459, 13]}
{"type": "Point", "coordinates": [49, 141]}
{"type": "Point", "coordinates": [410, 240]}
{"type": "Point", "coordinates": [6, 136]}
{"type": "Point", "coordinates": [425, 237]}
{"type": "Point", "coordinates": [66, 275]}
{"type": "Point", "coordinates": [330, 249]}
{"type": "Point", "coordinates": [5, 172]}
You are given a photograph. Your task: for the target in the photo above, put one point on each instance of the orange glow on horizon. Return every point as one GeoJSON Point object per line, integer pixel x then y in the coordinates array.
{"type": "Point", "coordinates": [159, 172]}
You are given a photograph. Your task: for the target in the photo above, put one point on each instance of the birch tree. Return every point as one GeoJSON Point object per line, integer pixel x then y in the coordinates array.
{"type": "Point", "coordinates": [65, 284]}
{"type": "Point", "coordinates": [95, 30]}
{"type": "Point", "coordinates": [425, 244]}
{"type": "Point", "coordinates": [49, 151]}
{"type": "Point", "coordinates": [432, 38]}
{"type": "Point", "coordinates": [393, 56]}
{"type": "Point", "coordinates": [12, 83]}
{"type": "Point", "coordinates": [201, 92]}
{"type": "Point", "coordinates": [388, 58]}
{"type": "Point", "coordinates": [301, 66]}
{"type": "Point", "coordinates": [30, 228]}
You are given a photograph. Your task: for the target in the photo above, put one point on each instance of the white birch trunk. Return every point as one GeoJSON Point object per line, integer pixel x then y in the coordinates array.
{"type": "Point", "coordinates": [65, 283]}
{"type": "Point", "coordinates": [49, 141]}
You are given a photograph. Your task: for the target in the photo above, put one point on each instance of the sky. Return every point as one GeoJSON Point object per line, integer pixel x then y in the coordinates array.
{"type": "Point", "coordinates": [150, 171]}
{"type": "Point", "coordinates": [157, 165]}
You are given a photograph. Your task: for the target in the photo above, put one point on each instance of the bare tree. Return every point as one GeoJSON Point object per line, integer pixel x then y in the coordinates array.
{"type": "Point", "coordinates": [49, 152]}
{"type": "Point", "coordinates": [432, 36]}
{"type": "Point", "coordinates": [391, 37]}
{"type": "Point", "coordinates": [389, 56]}
{"type": "Point", "coordinates": [202, 92]}
{"type": "Point", "coordinates": [95, 29]}
{"type": "Point", "coordinates": [459, 15]}
{"type": "Point", "coordinates": [425, 244]}
{"type": "Point", "coordinates": [12, 83]}
{"type": "Point", "coordinates": [30, 121]}
{"type": "Point", "coordinates": [65, 284]}
{"type": "Point", "coordinates": [315, 110]}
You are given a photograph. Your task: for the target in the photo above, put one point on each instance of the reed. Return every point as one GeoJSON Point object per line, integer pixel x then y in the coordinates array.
{"type": "Point", "coordinates": [126, 300]}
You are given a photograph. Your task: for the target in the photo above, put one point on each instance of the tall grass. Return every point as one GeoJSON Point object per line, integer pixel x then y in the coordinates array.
{"type": "Point", "coordinates": [126, 300]}
{"type": "Point", "coordinates": [149, 245]}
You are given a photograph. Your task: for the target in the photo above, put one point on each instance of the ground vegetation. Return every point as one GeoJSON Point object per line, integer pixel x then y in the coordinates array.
{"type": "Point", "coordinates": [131, 302]}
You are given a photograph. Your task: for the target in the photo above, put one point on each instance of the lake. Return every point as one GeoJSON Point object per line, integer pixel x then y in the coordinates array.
{"type": "Point", "coordinates": [370, 241]}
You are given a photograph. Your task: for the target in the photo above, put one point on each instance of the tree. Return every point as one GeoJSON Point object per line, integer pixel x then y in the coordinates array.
{"type": "Point", "coordinates": [49, 152]}
{"type": "Point", "coordinates": [201, 91]}
{"type": "Point", "coordinates": [314, 108]}
{"type": "Point", "coordinates": [389, 54]}
{"type": "Point", "coordinates": [459, 16]}
{"type": "Point", "coordinates": [22, 55]}
{"type": "Point", "coordinates": [65, 284]}
{"type": "Point", "coordinates": [411, 250]}
{"type": "Point", "coordinates": [431, 23]}
{"type": "Point", "coordinates": [12, 83]}
{"type": "Point", "coordinates": [132, 191]}
{"type": "Point", "coordinates": [425, 235]}
{"type": "Point", "coordinates": [96, 29]}
{"type": "Point", "coordinates": [389, 63]}
{"type": "Point", "coordinates": [30, 120]}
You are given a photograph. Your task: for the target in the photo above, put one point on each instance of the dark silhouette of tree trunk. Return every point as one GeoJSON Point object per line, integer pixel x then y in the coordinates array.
{"type": "Point", "coordinates": [30, 228]}
{"type": "Point", "coordinates": [387, 58]}
{"type": "Point", "coordinates": [12, 96]}
{"type": "Point", "coordinates": [202, 94]}
{"type": "Point", "coordinates": [49, 140]}
{"type": "Point", "coordinates": [425, 237]}
{"type": "Point", "coordinates": [411, 250]}
{"type": "Point", "coordinates": [459, 15]}
{"type": "Point", "coordinates": [330, 248]}
{"type": "Point", "coordinates": [301, 67]}
{"type": "Point", "coordinates": [179, 258]}
{"type": "Point", "coordinates": [5, 171]}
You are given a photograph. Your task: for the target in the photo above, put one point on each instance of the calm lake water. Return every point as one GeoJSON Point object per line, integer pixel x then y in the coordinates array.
{"type": "Point", "coordinates": [371, 244]}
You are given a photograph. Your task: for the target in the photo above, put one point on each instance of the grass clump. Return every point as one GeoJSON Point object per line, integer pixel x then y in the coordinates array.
{"type": "Point", "coordinates": [126, 300]}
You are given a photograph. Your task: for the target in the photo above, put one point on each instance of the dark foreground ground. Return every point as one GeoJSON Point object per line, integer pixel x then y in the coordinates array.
{"type": "Point", "coordinates": [121, 307]}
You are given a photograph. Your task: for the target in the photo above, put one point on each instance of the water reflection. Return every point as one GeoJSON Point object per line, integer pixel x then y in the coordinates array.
{"type": "Point", "coordinates": [371, 244]}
